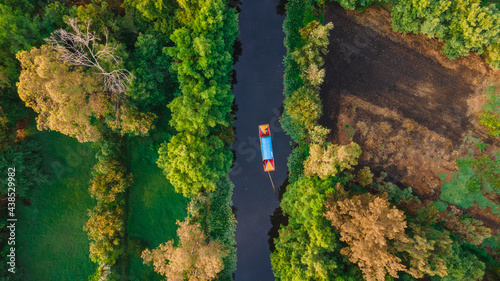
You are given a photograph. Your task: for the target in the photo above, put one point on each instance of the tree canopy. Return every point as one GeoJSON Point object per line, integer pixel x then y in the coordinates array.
{"type": "Point", "coordinates": [193, 259]}
{"type": "Point", "coordinates": [71, 100]}
{"type": "Point", "coordinates": [328, 159]}
{"type": "Point", "coordinates": [198, 156]}
{"type": "Point", "coordinates": [194, 163]}
{"type": "Point", "coordinates": [368, 224]}
{"type": "Point", "coordinates": [307, 248]}
{"type": "Point", "coordinates": [203, 62]}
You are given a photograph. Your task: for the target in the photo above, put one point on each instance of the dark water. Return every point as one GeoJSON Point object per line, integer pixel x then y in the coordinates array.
{"type": "Point", "coordinates": [259, 96]}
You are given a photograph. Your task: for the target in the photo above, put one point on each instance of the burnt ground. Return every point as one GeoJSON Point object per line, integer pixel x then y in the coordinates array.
{"type": "Point", "coordinates": [401, 100]}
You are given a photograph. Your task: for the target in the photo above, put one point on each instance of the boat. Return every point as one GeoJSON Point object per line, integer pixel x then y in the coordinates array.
{"type": "Point", "coordinates": [266, 147]}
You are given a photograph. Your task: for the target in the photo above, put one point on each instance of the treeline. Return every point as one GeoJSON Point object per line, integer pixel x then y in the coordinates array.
{"type": "Point", "coordinates": [308, 247]}
{"type": "Point", "coordinates": [343, 222]}
{"type": "Point", "coordinates": [464, 25]}
{"type": "Point", "coordinates": [199, 155]}
{"type": "Point", "coordinates": [106, 225]}
{"type": "Point", "coordinates": [197, 159]}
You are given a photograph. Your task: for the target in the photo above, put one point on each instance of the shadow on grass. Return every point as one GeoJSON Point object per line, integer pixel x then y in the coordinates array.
{"type": "Point", "coordinates": [50, 239]}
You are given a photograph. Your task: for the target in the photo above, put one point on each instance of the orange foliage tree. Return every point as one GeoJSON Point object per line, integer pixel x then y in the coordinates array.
{"type": "Point", "coordinates": [368, 224]}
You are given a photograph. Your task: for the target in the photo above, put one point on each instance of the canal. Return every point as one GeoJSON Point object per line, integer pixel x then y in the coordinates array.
{"type": "Point", "coordinates": [259, 97]}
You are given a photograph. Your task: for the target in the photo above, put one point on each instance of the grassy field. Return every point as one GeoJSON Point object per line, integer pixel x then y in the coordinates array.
{"type": "Point", "coordinates": [153, 207]}
{"type": "Point", "coordinates": [52, 243]}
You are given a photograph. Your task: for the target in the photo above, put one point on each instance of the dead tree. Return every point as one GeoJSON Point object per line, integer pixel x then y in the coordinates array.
{"type": "Point", "coordinates": [82, 48]}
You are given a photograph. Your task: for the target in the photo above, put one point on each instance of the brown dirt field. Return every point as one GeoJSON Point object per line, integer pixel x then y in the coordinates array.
{"type": "Point", "coordinates": [405, 104]}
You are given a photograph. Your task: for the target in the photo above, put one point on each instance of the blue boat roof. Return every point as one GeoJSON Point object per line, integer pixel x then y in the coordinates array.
{"type": "Point", "coordinates": [267, 148]}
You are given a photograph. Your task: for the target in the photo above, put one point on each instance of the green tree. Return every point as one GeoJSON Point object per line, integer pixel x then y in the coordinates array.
{"type": "Point", "coordinates": [18, 31]}
{"type": "Point", "coordinates": [222, 225]}
{"type": "Point", "coordinates": [464, 25]}
{"type": "Point", "coordinates": [296, 162]}
{"type": "Point", "coordinates": [472, 27]}
{"type": "Point", "coordinates": [427, 248]}
{"type": "Point", "coordinates": [154, 84]}
{"type": "Point", "coordinates": [203, 62]}
{"type": "Point", "coordinates": [198, 157]}
{"type": "Point", "coordinates": [354, 4]}
{"type": "Point", "coordinates": [102, 15]}
{"type": "Point", "coordinates": [307, 248]}
{"type": "Point", "coordinates": [194, 163]}
{"type": "Point", "coordinates": [6, 131]}
{"type": "Point", "coordinates": [427, 17]}
{"type": "Point", "coordinates": [490, 115]}
{"type": "Point", "coordinates": [202, 111]}
{"type": "Point", "coordinates": [53, 16]}
{"type": "Point", "coordinates": [304, 107]}
{"type": "Point", "coordinates": [462, 265]}
{"type": "Point", "coordinates": [25, 157]}
{"type": "Point", "coordinates": [160, 12]}
{"type": "Point", "coordinates": [395, 194]}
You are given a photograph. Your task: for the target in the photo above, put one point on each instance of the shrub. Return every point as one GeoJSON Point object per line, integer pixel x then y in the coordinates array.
{"type": "Point", "coordinates": [490, 117]}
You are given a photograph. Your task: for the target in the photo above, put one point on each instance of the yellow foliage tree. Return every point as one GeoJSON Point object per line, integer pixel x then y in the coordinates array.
{"type": "Point", "coordinates": [68, 98]}
{"type": "Point", "coordinates": [193, 259]}
{"type": "Point", "coordinates": [327, 159]}
{"type": "Point", "coordinates": [367, 224]}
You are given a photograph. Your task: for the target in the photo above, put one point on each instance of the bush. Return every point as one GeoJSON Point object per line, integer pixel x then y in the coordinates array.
{"type": "Point", "coordinates": [25, 157]}
{"type": "Point", "coordinates": [222, 225]}
{"type": "Point", "coordinates": [354, 4]}
{"type": "Point", "coordinates": [490, 117]}
{"type": "Point", "coordinates": [296, 162]}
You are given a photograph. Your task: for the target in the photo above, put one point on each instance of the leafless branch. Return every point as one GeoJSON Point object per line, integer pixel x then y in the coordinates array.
{"type": "Point", "coordinates": [82, 48]}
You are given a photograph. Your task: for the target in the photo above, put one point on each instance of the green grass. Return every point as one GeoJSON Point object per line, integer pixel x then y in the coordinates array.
{"type": "Point", "coordinates": [51, 242]}
{"type": "Point", "coordinates": [153, 207]}
{"type": "Point", "coordinates": [461, 191]}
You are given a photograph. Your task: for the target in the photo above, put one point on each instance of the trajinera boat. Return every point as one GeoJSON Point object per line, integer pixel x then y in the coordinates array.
{"type": "Point", "coordinates": [266, 147]}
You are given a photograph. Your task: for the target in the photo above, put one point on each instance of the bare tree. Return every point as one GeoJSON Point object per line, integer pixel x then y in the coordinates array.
{"type": "Point", "coordinates": [82, 48]}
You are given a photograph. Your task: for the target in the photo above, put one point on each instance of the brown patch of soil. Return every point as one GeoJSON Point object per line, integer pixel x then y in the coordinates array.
{"type": "Point", "coordinates": [401, 100]}
{"type": "Point", "coordinates": [21, 127]}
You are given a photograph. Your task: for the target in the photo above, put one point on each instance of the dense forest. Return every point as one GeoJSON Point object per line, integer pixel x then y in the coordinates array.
{"type": "Point", "coordinates": [116, 121]}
